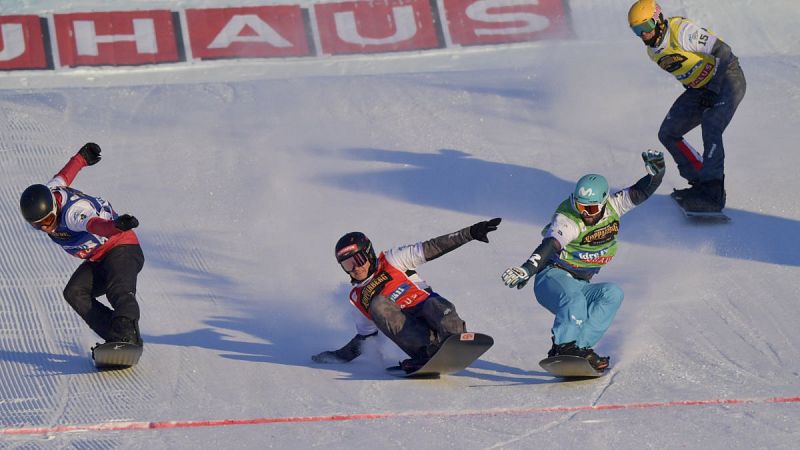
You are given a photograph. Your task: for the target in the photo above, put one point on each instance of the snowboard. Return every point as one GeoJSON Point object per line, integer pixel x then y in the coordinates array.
{"type": "Point", "coordinates": [116, 355]}
{"type": "Point", "coordinates": [701, 216]}
{"type": "Point", "coordinates": [455, 355]}
{"type": "Point", "coordinates": [569, 367]}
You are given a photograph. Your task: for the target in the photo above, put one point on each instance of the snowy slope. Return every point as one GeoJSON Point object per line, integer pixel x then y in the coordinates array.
{"type": "Point", "coordinates": [244, 180]}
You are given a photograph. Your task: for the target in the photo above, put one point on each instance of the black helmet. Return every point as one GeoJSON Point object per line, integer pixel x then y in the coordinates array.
{"type": "Point", "coordinates": [36, 203]}
{"type": "Point", "coordinates": [356, 244]}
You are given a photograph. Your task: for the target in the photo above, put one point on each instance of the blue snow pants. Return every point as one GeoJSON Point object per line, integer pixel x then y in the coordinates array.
{"type": "Point", "coordinates": [583, 310]}
{"type": "Point", "coordinates": [687, 113]}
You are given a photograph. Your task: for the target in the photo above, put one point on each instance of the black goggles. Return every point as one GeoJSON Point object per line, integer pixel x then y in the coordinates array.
{"type": "Point", "coordinates": [358, 259]}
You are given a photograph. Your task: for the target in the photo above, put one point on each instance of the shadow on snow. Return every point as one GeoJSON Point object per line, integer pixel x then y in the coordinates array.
{"type": "Point", "coordinates": [454, 180]}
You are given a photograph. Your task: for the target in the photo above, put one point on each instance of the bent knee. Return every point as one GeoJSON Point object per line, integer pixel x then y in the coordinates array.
{"type": "Point", "coordinates": [74, 294]}
{"type": "Point", "coordinates": [613, 293]}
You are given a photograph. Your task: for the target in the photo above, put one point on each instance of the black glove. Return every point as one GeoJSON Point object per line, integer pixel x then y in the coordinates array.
{"type": "Point", "coordinates": [708, 98]}
{"type": "Point", "coordinates": [91, 153]}
{"type": "Point", "coordinates": [349, 352]}
{"type": "Point", "coordinates": [328, 357]}
{"type": "Point", "coordinates": [481, 229]}
{"type": "Point", "coordinates": [125, 222]}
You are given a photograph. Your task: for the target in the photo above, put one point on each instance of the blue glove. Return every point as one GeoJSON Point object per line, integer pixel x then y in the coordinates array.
{"type": "Point", "coordinates": [654, 162]}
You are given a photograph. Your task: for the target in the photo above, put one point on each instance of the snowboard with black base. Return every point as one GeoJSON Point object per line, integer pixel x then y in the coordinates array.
{"type": "Point", "coordinates": [570, 361]}
{"type": "Point", "coordinates": [454, 355]}
{"type": "Point", "coordinates": [698, 216]}
{"type": "Point", "coordinates": [567, 366]}
{"type": "Point", "coordinates": [116, 355]}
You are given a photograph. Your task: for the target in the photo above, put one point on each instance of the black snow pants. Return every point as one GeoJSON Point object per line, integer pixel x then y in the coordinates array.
{"type": "Point", "coordinates": [113, 276]}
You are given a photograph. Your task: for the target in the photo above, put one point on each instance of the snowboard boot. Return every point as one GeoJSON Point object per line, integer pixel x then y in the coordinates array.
{"type": "Point", "coordinates": [680, 194]}
{"type": "Point", "coordinates": [124, 329]}
{"type": "Point", "coordinates": [413, 364]}
{"type": "Point", "coordinates": [710, 197]}
{"type": "Point", "coordinates": [571, 349]}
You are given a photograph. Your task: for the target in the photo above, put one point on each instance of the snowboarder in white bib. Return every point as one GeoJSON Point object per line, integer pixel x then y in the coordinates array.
{"type": "Point", "coordinates": [580, 239]}
{"type": "Point", "coordinates": [715, 85]}
{"type": "Point", "coordinates": [389, 295]}
{"type": "Point", "coordinates": [88, 228]}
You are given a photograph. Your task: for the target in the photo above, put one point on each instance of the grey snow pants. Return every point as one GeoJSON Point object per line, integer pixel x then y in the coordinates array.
{"type": "Point", "coordinates": [419, 330]}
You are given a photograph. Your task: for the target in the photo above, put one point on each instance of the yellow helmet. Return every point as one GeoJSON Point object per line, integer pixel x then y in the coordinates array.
{"type": "Point", "coordinates": [642, 11]}
{"type": "Point", "coordinates": [644, 17]}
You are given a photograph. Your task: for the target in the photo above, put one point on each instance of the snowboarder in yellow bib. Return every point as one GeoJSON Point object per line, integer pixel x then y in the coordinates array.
{"type": "Point", "coordinates": [714, 83]}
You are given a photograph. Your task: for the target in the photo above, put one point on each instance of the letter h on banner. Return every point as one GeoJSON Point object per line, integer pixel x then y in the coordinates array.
{"type": "Point", "coordinates": [118, 38]}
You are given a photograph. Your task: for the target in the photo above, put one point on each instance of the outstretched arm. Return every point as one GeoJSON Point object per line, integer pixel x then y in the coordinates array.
{"type": "Point", "coordinates": [647, 185]}
{"type": "Point", "coordinates": [88, 155]}
{"type": "Point", "coordinates": [438, 246]}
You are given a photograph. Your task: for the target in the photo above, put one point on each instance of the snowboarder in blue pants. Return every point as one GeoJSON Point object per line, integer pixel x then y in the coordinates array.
{"type": "Point", "coordinates": [578, 242]}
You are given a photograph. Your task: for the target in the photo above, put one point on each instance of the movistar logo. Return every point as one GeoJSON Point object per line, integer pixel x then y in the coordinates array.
{"type": "Point", "coordinates": [586, 192]}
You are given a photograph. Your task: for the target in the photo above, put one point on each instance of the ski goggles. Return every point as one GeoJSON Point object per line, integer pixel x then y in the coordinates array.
{"type": "Point", "coordinates": [644, 27]}
{"type": "Point", "coordinates": [589, 210]}
{"type": "Point", "coordinates": [46, 222]}
{"type": "Point", "coordinates": [357, 260]}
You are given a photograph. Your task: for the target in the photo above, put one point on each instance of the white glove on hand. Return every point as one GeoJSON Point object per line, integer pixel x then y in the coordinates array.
{"type": "Point", "coordinates": [654, 162]}
{"type": "Point", "coordinates": [516, 277]}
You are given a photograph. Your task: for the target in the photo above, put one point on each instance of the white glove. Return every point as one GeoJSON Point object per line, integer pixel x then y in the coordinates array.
{"type": "Point", "coordinates": [654, 161]}
{"type": "Point", "coordinates": [516, 277]}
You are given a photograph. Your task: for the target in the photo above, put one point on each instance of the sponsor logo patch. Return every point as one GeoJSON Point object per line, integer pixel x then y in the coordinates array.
{"type": "Point", "coordinates": [372, 288]}
{"type": "Point", "coordinates": [398, 292]}
{"type": "Point", "coordinates": [703, 75]}
{"type": "Point", "coordinates": [594, 257]}
{"type": "Point", "coordinates": [671, 62]}
{"type": "Point", "coordinates": [348, 249]}
{"type": "Point", "coordinates": [602, 235]}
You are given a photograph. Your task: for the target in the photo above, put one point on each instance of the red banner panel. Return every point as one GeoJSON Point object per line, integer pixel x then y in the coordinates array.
{"type": "Point", "coordinates": [117, 38]}
{"type": "Point", "coordinates": [477, 22]}
{"type": "Point", "coordinates": [22, 43]}
{"type": "Point", "coordinates": [255, 32]}
{"type": "Point", "coordinates": [376, 26]}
